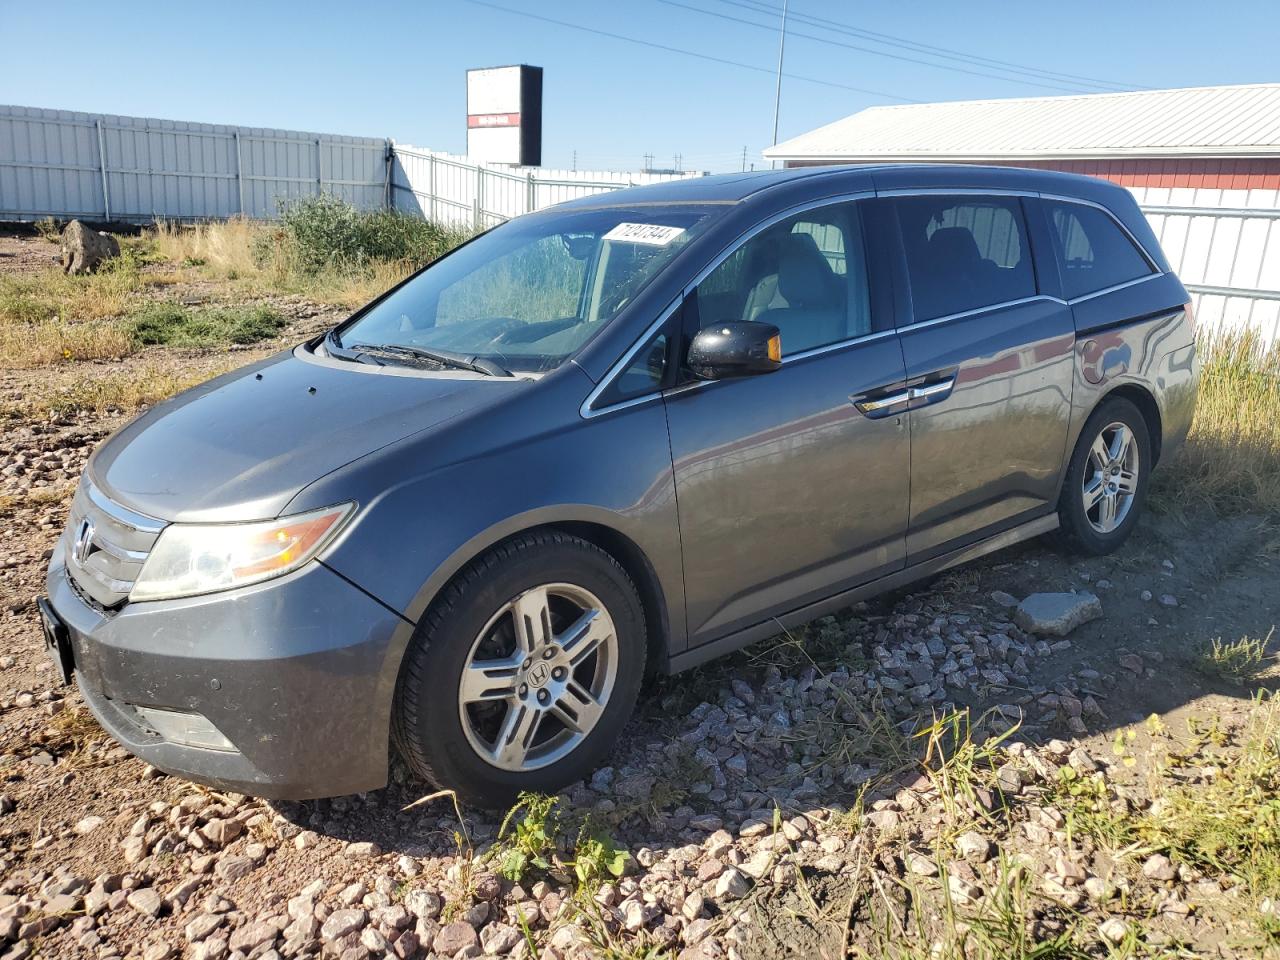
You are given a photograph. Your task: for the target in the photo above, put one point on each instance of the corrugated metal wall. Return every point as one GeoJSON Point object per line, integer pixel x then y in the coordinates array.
{"type": "Point", "coordinates": [449, 188]}
{"type": "Point", "coordinates": [65, 164]}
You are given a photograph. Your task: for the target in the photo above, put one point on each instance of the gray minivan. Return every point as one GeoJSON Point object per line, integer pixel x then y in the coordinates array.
{"type": "Point", "coordinates": [629, 433]}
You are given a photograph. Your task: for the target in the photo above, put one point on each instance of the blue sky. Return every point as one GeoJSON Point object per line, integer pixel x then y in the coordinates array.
{"type": "Point", "coordinates": [388, 69]}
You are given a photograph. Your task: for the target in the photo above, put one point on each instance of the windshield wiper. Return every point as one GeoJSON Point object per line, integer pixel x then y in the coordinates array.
{"type": "Point", "coordinates": [443, 358]}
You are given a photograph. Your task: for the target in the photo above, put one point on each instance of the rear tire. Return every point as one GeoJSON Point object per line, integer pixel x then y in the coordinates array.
{"type": "Point", "coordinates": [523, 672]}
{"type": "Point", "coordinates": [1106, 482]}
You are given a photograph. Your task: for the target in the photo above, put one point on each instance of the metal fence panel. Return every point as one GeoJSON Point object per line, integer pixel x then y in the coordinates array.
{"type": "Point", "coordinates": [1225, 246]}
{"type": "Point", "coordinates": [64, 164]}
{"type": "Point", "coordinates": [449, 188]}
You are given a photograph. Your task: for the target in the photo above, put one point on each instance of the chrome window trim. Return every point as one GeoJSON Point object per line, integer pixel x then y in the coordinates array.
{"type": "Point", "coordinates": [1114, 287]}
{"type": "Point", "coordinates": [919, 324]}
{"type": "Point", "coordinates": [586, 410]}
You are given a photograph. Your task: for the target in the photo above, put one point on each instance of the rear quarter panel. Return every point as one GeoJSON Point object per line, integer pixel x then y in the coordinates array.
{"type": "Point", "coordinates": [1141, 336]}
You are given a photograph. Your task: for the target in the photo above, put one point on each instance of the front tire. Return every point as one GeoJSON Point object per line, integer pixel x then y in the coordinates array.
{"type": "Point", "coordinates": [1106, 482]}
{"type": "Point", "coordinates": [523, 672]}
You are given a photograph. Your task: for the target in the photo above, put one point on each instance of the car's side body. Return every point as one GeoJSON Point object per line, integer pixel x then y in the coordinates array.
{"type": "Point", "coordinates": [685, 486]}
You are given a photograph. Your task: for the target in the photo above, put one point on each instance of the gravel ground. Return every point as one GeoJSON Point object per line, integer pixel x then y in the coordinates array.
{"type": "Point", "coordinates": [861, 786]}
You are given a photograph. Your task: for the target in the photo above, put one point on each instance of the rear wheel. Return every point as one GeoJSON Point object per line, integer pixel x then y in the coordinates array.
{"type": "Point", "coordinates": [1106, 482]}
{"type": "Point", "coordinates": [523, 672]}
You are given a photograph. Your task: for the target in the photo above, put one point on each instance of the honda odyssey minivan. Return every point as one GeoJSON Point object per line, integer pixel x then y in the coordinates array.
{"type": "Point", "coordinates": [629, 433]}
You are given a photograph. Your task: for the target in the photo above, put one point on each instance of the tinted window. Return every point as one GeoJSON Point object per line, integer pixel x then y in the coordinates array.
{"type": "Point", "coordinates": [1093, 252]}
{"type": "Point", "coordinates": [964, 253]}
{"type": "Point", "coordinates": [806, 275]}
{"type": "Point", "coordinates": [642, 376]}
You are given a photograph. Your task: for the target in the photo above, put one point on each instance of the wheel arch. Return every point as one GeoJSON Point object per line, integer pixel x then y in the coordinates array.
{"type": "Point", "coordinates": [633, 558]}
{"type": "Point", "coordinates": [1145, 401]}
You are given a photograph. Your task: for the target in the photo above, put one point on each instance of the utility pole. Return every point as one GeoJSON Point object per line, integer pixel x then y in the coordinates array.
{"type": "Point", "coordinates": [744, 159]}
{"type": "Point", "coordinates": [678, 158]}
{"type": "Point", "coordinates": [648, 162]}
{"type": "Point", "coordinates": [777, 90]}
{"type": "Point", "coordinates": [575, 161]}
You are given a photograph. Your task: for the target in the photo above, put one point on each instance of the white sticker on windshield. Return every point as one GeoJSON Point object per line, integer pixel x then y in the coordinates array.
{"type": "Point", "coordinates": [652, 234]}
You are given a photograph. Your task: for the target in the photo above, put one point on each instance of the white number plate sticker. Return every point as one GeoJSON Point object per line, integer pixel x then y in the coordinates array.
{"type": "Point", "coordinates": [652, 234]}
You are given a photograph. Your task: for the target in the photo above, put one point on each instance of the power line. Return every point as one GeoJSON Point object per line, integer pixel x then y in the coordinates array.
{"type": "Point", "coordinates": [690, 53]}
{"type": "Point", "coordinates": [888, 39]}
{"type": "Point", "coordinates": [1060, 86]}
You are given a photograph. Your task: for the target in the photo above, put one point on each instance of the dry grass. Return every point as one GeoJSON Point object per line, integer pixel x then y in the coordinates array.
{"type": "Point", "coordinates": [1231, 461]}
{"type": "Point", "coordinates": [125, 391]}
{"type": "Point", "coordinates": [23, 346]}
{"type": "Point", "coordinates": [223, 250]}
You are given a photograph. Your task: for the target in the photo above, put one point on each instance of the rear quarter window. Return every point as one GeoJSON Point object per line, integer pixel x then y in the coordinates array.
{"type": "Point", "coordinates": [1093, 252]}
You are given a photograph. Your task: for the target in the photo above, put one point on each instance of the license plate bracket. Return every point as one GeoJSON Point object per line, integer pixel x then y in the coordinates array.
{"type": "Point", "coordinates": [57, 641]}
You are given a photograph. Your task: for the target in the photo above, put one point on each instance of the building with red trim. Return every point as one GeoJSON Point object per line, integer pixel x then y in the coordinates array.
{"type": "Point", "coordinates": [1203, 162]}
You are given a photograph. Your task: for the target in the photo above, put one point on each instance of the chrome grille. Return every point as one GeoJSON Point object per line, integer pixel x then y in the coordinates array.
{"type": "Point", "coordinates": [106, 545]}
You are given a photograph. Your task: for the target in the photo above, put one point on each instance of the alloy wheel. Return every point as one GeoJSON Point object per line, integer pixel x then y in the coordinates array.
{"type": "Point", "coordinates": [1110, 477]}
{"type": "Point", "coordinates": [538, 677]}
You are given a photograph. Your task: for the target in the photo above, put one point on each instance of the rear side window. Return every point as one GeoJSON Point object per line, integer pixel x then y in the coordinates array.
{"type": "Point", "coordinates": [964, 253]}
{"type": "Point", "coordinates": [1093, 252]}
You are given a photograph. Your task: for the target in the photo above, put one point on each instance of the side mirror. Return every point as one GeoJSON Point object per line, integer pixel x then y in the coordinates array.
{"type": "Point", "coordinates": [725, 350]}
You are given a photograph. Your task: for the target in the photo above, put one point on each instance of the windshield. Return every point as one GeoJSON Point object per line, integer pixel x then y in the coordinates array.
{"type": "Point", "coordinates": [529, 293]}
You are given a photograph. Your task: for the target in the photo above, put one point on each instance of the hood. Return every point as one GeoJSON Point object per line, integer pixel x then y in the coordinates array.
{"type": "Point", "coordinates": [241, 446]}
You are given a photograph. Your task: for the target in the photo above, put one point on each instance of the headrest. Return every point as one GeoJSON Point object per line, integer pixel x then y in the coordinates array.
{"type": "Point", "coordinates": [956, 246]}
{"type": "Point", "coordinates": [804, 276]}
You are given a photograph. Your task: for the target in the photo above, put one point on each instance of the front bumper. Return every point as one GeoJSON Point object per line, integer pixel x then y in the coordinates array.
{"type": "Point", "coordinates": [297, 673]}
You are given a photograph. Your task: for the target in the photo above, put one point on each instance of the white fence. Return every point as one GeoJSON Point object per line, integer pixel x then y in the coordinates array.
{"type": "Point", "coordinates": [1225, 246]}
{"type": "Point", "coordinates": [64, 164]}
{"type": "Point", "coordinates": [452, 189]}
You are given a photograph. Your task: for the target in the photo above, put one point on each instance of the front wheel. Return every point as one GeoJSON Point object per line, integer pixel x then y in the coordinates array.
{"type": "Point", "coordinates": [1106, 482]}
{"type": "Point", "coordinates": [523, 673]}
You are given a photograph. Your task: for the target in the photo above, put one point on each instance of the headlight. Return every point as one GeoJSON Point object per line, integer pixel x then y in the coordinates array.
{"type": "Point", "coordinates": [192, 558]}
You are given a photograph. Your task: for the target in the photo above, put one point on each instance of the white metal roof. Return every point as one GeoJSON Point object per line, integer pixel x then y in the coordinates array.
{"type": "Point", "coordinates": [1227, 121]}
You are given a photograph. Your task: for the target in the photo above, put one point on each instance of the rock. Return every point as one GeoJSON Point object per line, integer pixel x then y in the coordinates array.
{"type": "Point", "coordinates": [974, 846]}
{"type": "Point", "coordinates": [362, 849]}
{"type": "Point", "coordinates": [202, 926]}
{"type": "Point", "coordinates": [220, 832]}
{"type": "Point", "coordinates": [454, 937]}
{"type": "Point", "coordinates": [342, 922]}
{"type": "Point", "coordinates": [1159, 867]}
{"type": "Point", "coordinates": [234, 868]}
{"type": "Point", "coordinates": [1168, 600]}
{"type": "Point", "coordinates": [498, 939]}
{"type": "Point", "coordinates": [252, 935]}
{"type": "Point", "coordinates": [692, 906]}
{"type": "Point", "coordinates": [921, 865]}
{"type": "Point", "coordinates": [1114, 930]}
{"type": "Point", "coordinates": [83, 249]}
{"type": "Point", "coordinates": [1132, 662]}
{"type": "Point", "coordinates": [1056, 614]}
{"type": "Point", "coordinates": [1004, 599]}
{"type": "Point", "coordinates": [963, 890]}
{"type": "Point", "coordinates": [87, 825]}
{"type": "Point", "coordinates": [423, 903]}
{"type": "Point", "coordinates": [157, 951]}
{"type": "Point", "coordinates": [146, 901]}
{"type": "Point", "coordinates": [732, 885]}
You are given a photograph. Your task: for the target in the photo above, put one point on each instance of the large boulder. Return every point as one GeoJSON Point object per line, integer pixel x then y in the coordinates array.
{"type": "Point", "coordinates": [84, 249]}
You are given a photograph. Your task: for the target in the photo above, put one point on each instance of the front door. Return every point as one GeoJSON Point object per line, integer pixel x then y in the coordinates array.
{"type": "Point", "coordinates": [989, 360]}
{"type": "Point", "coordinates": [791, 485]}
